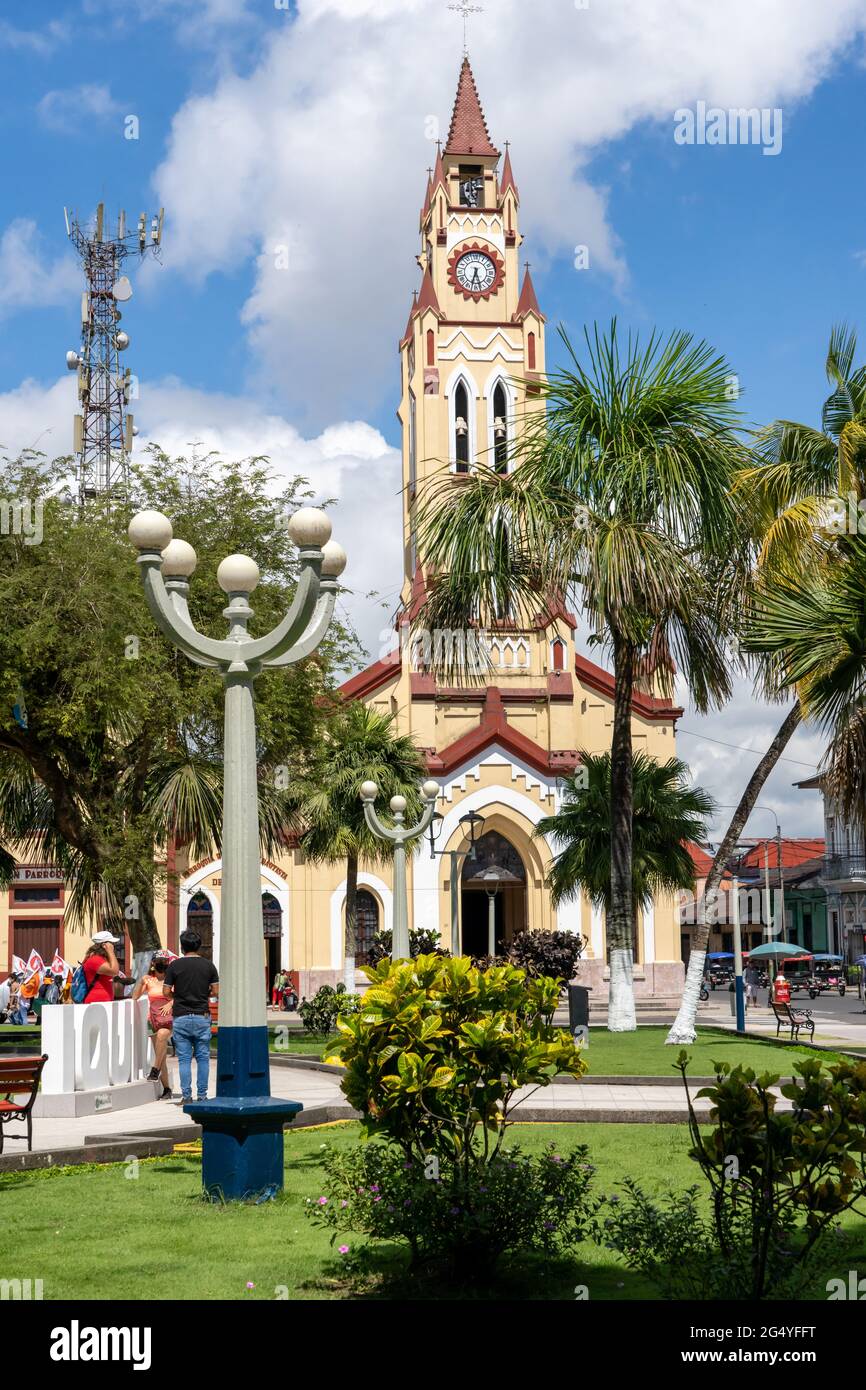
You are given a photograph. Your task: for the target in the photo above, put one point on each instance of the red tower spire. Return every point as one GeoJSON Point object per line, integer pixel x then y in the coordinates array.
{"type": "Point", "coordinates": [507, 179]}
{"type": "Point", "coordinates": [468, 133]}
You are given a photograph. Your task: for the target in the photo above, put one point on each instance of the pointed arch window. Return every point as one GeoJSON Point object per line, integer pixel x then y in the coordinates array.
{"type": "Point", "coordinates": [431, 348]}
{"type": "Point", "coordinates": [461, 428]}
{"type": "Point", "coordinates": [500, 428]}
{"type": "Point", "coordinates": [531, 352]}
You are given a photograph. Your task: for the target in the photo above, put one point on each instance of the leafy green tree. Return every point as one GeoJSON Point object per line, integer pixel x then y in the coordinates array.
{"type": "Point", "coordinates": [620, 496]}
{"type": "Point", "coordinates": [110, 739]}
{"type": "Point", "coordinates": [357, 745]}
{"type": "Point", "coordinates": [667, 814]}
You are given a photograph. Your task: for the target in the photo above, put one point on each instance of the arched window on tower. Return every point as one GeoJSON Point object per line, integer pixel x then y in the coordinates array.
{"type": "Point", "coordinates": [431, 348]}
{"type": "Point", "coordinates": [461, 428]}
{"type": "Point", "coordinates": [530, 352]}
{"type": "Point", "coordinates": [558, 654]}
{"type": "Point", "coordinates": [500, 429]}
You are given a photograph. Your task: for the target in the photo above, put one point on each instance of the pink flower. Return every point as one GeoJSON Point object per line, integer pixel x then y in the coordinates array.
{"type": "Point", "coordinates": [323, 1201]}
{"type": "Point", "coordinates": [344, 1249]}
{"type": "Point", "coordinates": [250, 1286]}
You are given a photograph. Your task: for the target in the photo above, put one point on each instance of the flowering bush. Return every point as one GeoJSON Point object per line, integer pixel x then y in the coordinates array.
{"type": "Point", "coordinates": [462, 1225]}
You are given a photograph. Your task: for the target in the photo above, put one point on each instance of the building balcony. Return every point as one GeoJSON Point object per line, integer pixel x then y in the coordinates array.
{"type": "Point", "coordinates": [844, 868]}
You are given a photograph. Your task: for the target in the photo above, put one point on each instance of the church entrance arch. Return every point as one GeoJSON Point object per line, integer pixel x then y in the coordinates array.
{"type": "Point", "coordinates": [497, 871]}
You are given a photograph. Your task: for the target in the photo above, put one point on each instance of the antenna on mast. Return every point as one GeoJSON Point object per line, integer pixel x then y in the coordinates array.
{"type": "Point", "coordinates": [104, 428]}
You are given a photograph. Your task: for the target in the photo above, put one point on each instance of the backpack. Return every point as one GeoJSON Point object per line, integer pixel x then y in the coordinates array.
{"type": "Point", "coordinates": [80, 987]}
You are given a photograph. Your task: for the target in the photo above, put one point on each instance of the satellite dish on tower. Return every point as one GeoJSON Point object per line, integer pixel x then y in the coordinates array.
{"type": "Point", "coordinates": [122, 289]}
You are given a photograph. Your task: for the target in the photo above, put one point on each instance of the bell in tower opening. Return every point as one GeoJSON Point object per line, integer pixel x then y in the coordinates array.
{"type": "Point", "coordinates": [471, 182]}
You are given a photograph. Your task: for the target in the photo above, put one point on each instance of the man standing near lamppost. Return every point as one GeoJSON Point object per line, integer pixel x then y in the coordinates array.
{"type": "Point", "coordinates": [399, 834]}
{"type": "Point", "coordinates": [242, 1145]}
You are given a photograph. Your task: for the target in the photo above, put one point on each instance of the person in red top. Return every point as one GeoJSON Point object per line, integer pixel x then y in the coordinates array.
{"type": "Point", "coordinates": [781, 990]}
{"type": "Point", "coordinates": [101, 968]}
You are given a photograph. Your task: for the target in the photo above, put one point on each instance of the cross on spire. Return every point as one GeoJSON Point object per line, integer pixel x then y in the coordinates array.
{"type": "Point", "coordinates": [466, 10]}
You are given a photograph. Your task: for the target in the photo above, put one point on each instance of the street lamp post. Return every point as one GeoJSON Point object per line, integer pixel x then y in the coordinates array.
{"type": "Point", "coordinates": [492, 879]}
{"type": "Point", "coordinates": [399, 834]}
{"type": "Point", "coordinates": [474, 821]}
{"type": "Point", "coordinates": [242, 1148]}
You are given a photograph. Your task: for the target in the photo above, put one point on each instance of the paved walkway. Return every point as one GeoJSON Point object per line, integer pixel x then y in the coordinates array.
{"type": "Point", "coordinates": [319, 1089]}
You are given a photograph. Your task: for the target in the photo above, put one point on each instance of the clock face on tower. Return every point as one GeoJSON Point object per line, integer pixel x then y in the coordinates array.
{"type": "Point", "coordinates": [475, 271]}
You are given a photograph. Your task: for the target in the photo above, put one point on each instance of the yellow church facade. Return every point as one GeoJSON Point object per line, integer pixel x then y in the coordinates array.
{"type": "Point", "coordinates": [471, 358]}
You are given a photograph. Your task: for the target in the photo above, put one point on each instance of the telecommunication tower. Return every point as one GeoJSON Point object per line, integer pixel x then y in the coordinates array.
{"type": "Point", "coordinates": [105, 427]}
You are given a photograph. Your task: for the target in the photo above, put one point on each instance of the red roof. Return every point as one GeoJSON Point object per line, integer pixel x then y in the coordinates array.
{"type": "Point", "coordinates": [702, 861]}
{"type": "Point", "coordinates": [528, 302]}
{"type": "Point", "coordinates": [468, 133]}
{"type": "Point", "coordinates": [408, 334]}
{"type": "Point", "coordinates": [507, 180]}
{"type": "Point", "coordinates": [428, 299]}
{"type": "Point", "coordinates": [793, 852]}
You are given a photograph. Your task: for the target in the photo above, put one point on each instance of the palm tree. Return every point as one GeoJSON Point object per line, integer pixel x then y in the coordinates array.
{"type": "Point", "coordinates": [359, 745]}
{"type": "Point", "coordinates": [801, 473]}
{"type": "Point", "coordinates": [801, 469]}
{"type": "Point", "coordinates": [622, 498]}
{"type": "Point", "coordinates": [814, 623]}
{"type": "Point", "coordinates": [667, 813]}
{"type": "Point", "coordinates": [179, 800]}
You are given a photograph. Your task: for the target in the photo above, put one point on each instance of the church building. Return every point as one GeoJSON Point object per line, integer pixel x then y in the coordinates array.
{"type": "Point", "coordinates": [472, 358]}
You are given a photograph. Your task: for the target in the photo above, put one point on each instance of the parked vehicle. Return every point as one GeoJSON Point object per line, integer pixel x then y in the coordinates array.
{"type": "Point", "coordinates": [828, 972]}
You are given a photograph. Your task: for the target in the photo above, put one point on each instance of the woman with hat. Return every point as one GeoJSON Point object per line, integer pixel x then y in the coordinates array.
{"type": "Point", "coordinates": [101, 968]}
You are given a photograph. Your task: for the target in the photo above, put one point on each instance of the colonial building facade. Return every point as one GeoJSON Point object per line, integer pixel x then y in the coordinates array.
{"type": "Point", "coordinates": [472, 358]}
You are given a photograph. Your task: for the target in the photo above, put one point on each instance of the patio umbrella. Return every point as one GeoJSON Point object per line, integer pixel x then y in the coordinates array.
{"type": "Point", "coordinates": [775, 950]}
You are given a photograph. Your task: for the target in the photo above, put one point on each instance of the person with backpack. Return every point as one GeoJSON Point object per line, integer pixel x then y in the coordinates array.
{"type": "Point", "coordinates": [93, 981]}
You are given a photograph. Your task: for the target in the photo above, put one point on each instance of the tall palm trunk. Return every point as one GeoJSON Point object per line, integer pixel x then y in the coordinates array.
{"type": "Point", "coordinates": [351, 922]}
{"type": "Point", "coordinates": [683, 1030]}
{"type": "Point", "coordinates": [620, 914]}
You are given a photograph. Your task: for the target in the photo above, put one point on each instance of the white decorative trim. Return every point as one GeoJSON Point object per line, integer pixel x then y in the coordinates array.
{"type": "Point", "coordinates": [280, 888]}
{"type": "Point", "coordinates": [474, 224]}
{"type": "Point", "coordinates": [337, 900]}
{"type": "Point", "coordinates": [496, 756]}
{"type": "Point", "coordinates": [458, 375]}
{"type": "Point", "coordinates": [463, 331]}
{"type": "Point", "coordinates": [498, 378]}
{"type": "Point", "coordinates": [427, 872]}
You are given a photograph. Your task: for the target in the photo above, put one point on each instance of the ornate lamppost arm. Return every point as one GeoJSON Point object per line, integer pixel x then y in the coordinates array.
{"type": "Point", "coordinates": [190, 641]}
{"type": "Point", "coordinates": [319, 624]}
{"type": "Point", "coordinates": [281, 639]}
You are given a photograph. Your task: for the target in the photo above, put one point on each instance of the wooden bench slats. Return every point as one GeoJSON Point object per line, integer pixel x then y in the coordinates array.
{"type": "Point", "coordinates": [20, 1076]}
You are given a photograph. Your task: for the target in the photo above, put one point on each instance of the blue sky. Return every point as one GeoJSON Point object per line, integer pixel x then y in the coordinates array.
{"type": "Point", "coordinates": [259, 124]}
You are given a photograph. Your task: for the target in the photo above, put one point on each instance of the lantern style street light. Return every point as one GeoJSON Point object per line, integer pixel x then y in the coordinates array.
{"type": "Point", "coordinates": [399, 835]}
{"type": "Point", "coordinates": [474, 822]}
{"type": "Point", "coordinates": [242, 1146]}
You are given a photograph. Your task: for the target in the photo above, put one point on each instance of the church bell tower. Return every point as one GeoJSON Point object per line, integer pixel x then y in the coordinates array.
{"type": "Point", "coordinates": [472, 354]}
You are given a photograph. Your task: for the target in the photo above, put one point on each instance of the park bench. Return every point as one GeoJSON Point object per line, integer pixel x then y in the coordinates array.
{"type": "Point", "coordinates": [795, 1019]}
{"type": "Point", "coordinates": [19, 1076]}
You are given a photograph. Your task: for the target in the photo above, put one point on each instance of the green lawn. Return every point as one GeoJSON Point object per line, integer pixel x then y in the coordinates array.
{"type": "Point", "coordinates": [104, 1233]}
{"type": "Point", "coordinates": [644, 1053]}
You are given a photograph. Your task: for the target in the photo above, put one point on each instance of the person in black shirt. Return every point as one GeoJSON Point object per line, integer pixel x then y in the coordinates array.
{"type": "Point", "coordinates": [189, 983]}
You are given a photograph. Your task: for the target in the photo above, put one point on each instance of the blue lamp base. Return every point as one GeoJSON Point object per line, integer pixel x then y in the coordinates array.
{"type": "Point", "coordinates": [242, 1145]}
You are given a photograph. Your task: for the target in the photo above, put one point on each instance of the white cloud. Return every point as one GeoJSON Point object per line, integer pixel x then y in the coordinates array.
{"type": "Point", "coordinates": [42, 41]}
{"type": "Point", "coordinates": [322, 148]}
{"type": "Point", "coordinates": [349, 461]}
{"type": "Point", "coordinates": [69, 109]}
{"type": "Point", "coordinates": [28, 279]}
